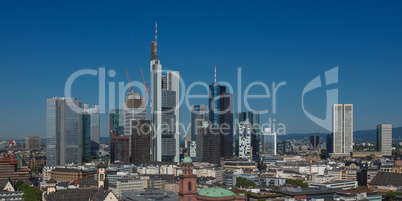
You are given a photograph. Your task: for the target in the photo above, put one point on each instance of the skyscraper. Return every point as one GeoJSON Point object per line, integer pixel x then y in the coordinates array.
{"type": "Point", "coordinates": [384, 139]}
{"type": "Point", "coordinates": [63, 131]}
{"type": "Point", "coordinates": [140, 141]}
{"type": "Point", "coordinates": [86, 136]}
{"type": "Point", "coordinates": [221, 115]}
{"type": "Point", "coordinates": [90, 131]}
{"type": "Point", "coordinates": [211, 144]}
{"type": "Point", "coordinates": [116, 117]}
{"type": "Point", "coordinates": [284, 147]}
{"type": "Point", "coordinates": [253, 118]}
{"type": "Point", "coordinates": [134, 108]}
{"type": "Point", "coordinates": [200, 140]}
{"type": "Point", "coordinates": [32, 142]}
{"type": "Point", "coordinates": [342, 128]}
{"type": "Point", "coordinates": [199, 113]}
{"type": "Point", "coordinates": [268, 142]}
{"type": "Point", "coordinates": [165, 110]}
{"type": "Point", "coordinates": [314, 141]}
{"type": "Point", "coordinates": [330, 144]}
{"type": "Point", "coordinates": [244, 144]}
{"type": "Point", "coordinates": [120, 149]}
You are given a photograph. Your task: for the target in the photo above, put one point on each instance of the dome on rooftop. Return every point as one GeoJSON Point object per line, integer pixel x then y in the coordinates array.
{"type": "Point", "coordinates": [187, 160]}
{"type": "Point", "coordinates": [215, 192]}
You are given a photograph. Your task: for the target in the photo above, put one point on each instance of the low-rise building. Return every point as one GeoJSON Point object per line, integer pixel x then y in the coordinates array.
{"type": "Point", "coordinates": [353, 195]}
{"type": "Point", "coordinates": [71, 174]}
{"type": "Point", "coordinates": [335, 185]}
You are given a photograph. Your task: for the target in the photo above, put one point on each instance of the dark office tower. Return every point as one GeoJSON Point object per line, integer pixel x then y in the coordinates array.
{"type": "Point", "coordinates": [227, 126]}
{"type": "Point", "coordinates": [120, 149]}
{"type": "Point", "coordinates": [211, 138]}
{"type": "Point", "coordinates": [215, 101]}
{"type": "Point", "coordinates": [254, 119]}
{"type": "Point", "coordinates": [330, 144]}
{"type": "Point", "coordinates": [86, 137]}
{"type": "Point", "coordinates": [141, 141]}
{"type": "Point", "coordinates": [90, 129]}
{"type": "Point", "coordinates": [116, 117]}
{"type": "Point", "coordinates": [221, 116]}
{"type": "Point", "coordinates": [314, 141]}
{"type": "Point", "coordinates": [199, 113]}
{"type": "Point", "coordinates": [284, 147]}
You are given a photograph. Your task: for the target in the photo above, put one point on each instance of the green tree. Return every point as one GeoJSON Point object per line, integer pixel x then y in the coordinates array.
{"type": "Point", "coordinates": [390, 196]}
{"type": "Point", "coordinates": [323, 154]}
{"type": "Point", "coordinates": [18, 184]}
{"type": "Point", "coordinates": [296, 182]}
{"type": "Point", "coordinates": [23, 187]}
{"type": "Point", "coordinates": [32, 194]}
{"type": "Point", "coordinates": [360, 188]}
{"type": "Point", "coordinates": [243, 182]}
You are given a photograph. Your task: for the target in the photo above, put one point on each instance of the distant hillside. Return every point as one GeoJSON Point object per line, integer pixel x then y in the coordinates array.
{"type": "Point", "coordinates": [358, 136]}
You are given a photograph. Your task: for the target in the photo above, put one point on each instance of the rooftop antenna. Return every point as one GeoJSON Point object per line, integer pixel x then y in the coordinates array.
{"type": "Point", "coordinates": [215, 74]}
{"type": "Point", "coordinates": [156, 38]}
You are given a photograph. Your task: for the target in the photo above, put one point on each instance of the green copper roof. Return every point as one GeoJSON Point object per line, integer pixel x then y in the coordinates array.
{"type": "Point", "coordinates": [215, 192]}
{"type": "Point", "coordinates": [187, 160]}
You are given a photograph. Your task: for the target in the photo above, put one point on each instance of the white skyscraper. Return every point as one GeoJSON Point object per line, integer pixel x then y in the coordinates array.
{"type": "Point", "coordinates": [244, 144]}
{"type": "Point", "coordinates": [342, 128]}
{"type": "Point", "coordinates": [384, 139]}
{"type": "Point", "coordinates": [165, 110]}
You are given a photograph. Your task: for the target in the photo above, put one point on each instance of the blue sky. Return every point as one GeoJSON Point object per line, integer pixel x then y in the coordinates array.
{"type": "Point", "coordinates": [43, 42]}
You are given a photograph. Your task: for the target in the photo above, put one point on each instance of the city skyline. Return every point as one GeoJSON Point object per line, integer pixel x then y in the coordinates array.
{"type": "Point", "coordinates": [280, 55]}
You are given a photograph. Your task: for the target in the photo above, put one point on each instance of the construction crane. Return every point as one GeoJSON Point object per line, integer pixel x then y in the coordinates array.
{"type": "Point", "coordinates": [146, 86]}
{"type": "Point", "coordinates": [310, 158]}
{"type": "Point", "coordinates": [129, 85]}
{"type": "Point", "coordinates": [12, 142]}
{"type": "Point", "coordinates": [110, 127]}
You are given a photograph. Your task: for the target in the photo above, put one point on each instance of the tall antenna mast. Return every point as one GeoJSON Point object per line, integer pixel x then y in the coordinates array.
{"type": "Point", "coordinates": [215, 74]}
{"type": "Point", "coordinates": [156, 38]}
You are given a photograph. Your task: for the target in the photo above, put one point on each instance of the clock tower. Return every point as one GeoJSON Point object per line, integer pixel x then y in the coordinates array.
{"type": "Point", "coordinates": [188, 182]}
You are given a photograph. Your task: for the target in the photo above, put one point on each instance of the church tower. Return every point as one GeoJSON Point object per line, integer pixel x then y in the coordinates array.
{"type": "Point", "coordinates": [188, 182]}
{"type": "Point", "coordinates": [101, 175]}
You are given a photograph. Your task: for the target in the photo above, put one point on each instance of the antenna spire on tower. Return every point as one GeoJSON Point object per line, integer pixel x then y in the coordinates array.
{"type": "Point", "coordinates": [156, 31]}
{"type": "Point", "coordinates": [156, 39]}
{"type": "Point", "coordinates": [215, 74]}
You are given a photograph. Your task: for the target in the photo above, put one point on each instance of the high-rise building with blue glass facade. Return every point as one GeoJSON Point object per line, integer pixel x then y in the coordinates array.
{"type": "Point", "coordinates": [86, 137]}
{"type": "Point", "coordinates": [199, 113]}
{"type": "Point", "coordinates": [116, 117]}
{"type": "Point", "coordinates": [90, 131]}
{"type": "Point", "coordinates": [63, 131]}
{"type": "Point", "coordinates": [221, 116]}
